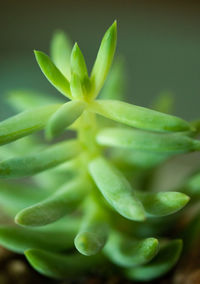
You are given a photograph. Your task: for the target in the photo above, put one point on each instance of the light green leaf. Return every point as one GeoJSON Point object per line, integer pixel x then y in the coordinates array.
{"type": "Point", "coordinates": [147, 141]}
{"type": "Point", "coordinates": [25, 123]}
{"type": "Point", "coordinates": [161, 264]}
{"type": "Point", "coordinates": [64, 117]}
{"type": "Point", "coordinates": [61, 203]}
{"type": "Point", "coordinates": [163, 203]}
{"type": "Point", "coordinates": [104, 59]}
{"type": "Point", "coordinates": [49, 158]}
{"type": "Point", "coordinates": [61, 47]}
{"type": "Point", "coordinates": [138, 117]}
{"type": "Point", "coordinates": [19, 239]}
{"type": "Point", "coordinates": [22, 100]}
{"type": "Point", "coordinates": [128, 252]}
{"type": "Point", "coordinates": [55, 77]}
{"type": "Point", "coordinates": [114, 87]}
{"type": "Point", "coordinates": [61, 266]}
{"type": "Point", "coordinates": [78, 65]}
{"type": "Point", "coordinates": [75, 86]}
{"type": "Point", "coordinates": [93, 232]}
{"type": "Point", "coordinates": [116, 190]}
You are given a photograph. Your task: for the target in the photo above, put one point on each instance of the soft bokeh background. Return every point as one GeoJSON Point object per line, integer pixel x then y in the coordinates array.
{"type": "Point", "coordinates": [160, 41]}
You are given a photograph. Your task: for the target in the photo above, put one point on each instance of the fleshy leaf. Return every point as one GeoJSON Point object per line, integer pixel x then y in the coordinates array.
{"type": "Point", "coordinates": [19, 239]}
{"type": "Point", "coordinates": [114, 87]}
{"type": "Point", "coordinates": [163, 203]}
{"type": "Point", "coordinates": [64, 117]}
{"type": "Point", "coordinates": [129, 252]}
{"type": "Point", "coordinates": [61, 266]}
{"type": "Point", "coordinates": [32, 164]}
{"type": "Point", "coordinates": [104, 59]}
{"type": "Point", "coordinates": [93, 232]}
{"type": "Point", "coordinates": [138, 117]}
{"type": "Point", "coordinates": [61, 47]}
{"type": "Point", "coordinates": [147, 141]}
{"type": "Point", "coordinates": [62, 202]}
{"type": "Point", "coordinates": [25, 123]}
{"type": "Point", "coordinates": [75, 86]}
{"type": "Point", "coordinates": [55, 77]}
{"type": "Point", "coordinates": [78, 65]}
{"type": "Point", "coordinates": [161, 264]}
{"type": "Point", "coordinates": [116, 189]}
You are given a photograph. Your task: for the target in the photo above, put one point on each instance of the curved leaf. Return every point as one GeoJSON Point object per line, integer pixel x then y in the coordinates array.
{"type": "Point", "coordinates": [147, 141]}
{"type": "Point", "coordinates": [53, 75]}
{"type": "Point", "coordinates": [49, 158]}
{"type": "Point", "coordinates": [25, 123]}
{"type": "Point", "coordinates": [138, 117]}
{"type": "Point", "coordinates": [163, 203]}
{"type": "Point", "coordinates": [64, 117]}
{"type": "Point", "coordinates": [128, 252]}
{"type": "Point", "coordinates": [116, 190]}
{"type": "Point", "coordinates": [61, 203]}
{"type": "Point", "coordinates": [93, 232]}
{"type": "Point", "coordinates": [104, 59]}
{"type": "Point", "coordinates": [161, 264]}
{"type": "Point", "coordinates": [61, 266]}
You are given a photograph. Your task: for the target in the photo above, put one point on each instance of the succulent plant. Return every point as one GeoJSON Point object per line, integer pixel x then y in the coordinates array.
{"type": "Point", "coordinates": [88, 201]}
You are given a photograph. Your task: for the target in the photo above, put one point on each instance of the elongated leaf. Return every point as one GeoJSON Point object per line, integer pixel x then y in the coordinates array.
{"type": "Point", "coordinates": [192, 186]}
{"type": "Point", "coordinates": [51, 72]}
{"type": "Point", "coordinates": [19, 239]}
{"type": "Point", "coordinates": [61, 266]}
{"type": "Point", "coordinates": [75, 86]}
{"type": "Point", "coordinates": [161, 264]}
{"type": "Point", "coordinates": [116, 190]}
{"type": "Point", "coordinates": [93, 232]}
{"type": "Point", "coordinates": [147, 141]}
{"type": "Point", "coordinates": [61, 47]}
{"type": "Point", "coordinates": [25, 123]}
{"type": "Point", "coordinates": [22, 100]}
{"type": "Point", "coordinates": [163, 203]}
{"type": "Point", "coordinates": [128, 252]}
{"type": "Point", "coordinates": [114, 87]}
{"type": "Point", "coordinates": [138, 117]}
{"type": "Point", "coordinates": [78, 64]}
{"type": "Point", "coordinates": [64, 117]}
{"type": "Point", "coordinates": [104, 59]}
{"type": "Point", "coordinates": [30, 165]}
{"type": "Point", "coordinates": [62, 202]}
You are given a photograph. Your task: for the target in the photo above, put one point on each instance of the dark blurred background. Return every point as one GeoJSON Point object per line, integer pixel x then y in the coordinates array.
{"type": "Point", "coordinates": [160, 41]}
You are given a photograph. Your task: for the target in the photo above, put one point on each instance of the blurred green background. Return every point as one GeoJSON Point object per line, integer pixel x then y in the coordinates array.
{"type": "Point", "coordinates": [159, 40]}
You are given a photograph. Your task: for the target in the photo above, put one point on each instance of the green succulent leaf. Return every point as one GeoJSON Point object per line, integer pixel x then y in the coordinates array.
{"type": "Point", "coordinates": [19, 239]}
{"type": "Point", "coordinates": [114, 87]}
{"type": "Point", "coordinates": [52, 73]}
{"type": "Point", "coordinates": [61, 47]}
{"type": "Point", "coordinates": [116, 189]}
{"type": "Point", "coordinates": [93, 232]}
{"type": "Point", "coordinates": [35, 163]}
{"type": "Point", "coordinates": [138, 117]}
{"type": "Point", "coordinates": [147, 141]}
{"type": "Point", "coordinates": [62, 202]}
{"type": "Point", "coordinates": [104, 59]}
{"type": "Point", "coordinates": [25, 123]}
{"type": "Point", "coordinates": [61, 266]}
{"type": "Point", "coordinates": [163, 203]}
{"type": "Point", "coordinates": [161, 264]}
{"type": "Point", "coordinates": [78, 65]}
{"type": "Point", "coordinates": [64, 117]}
{"type": "Point", "coordinates": [76, 87]}
{"type": "Point", "coordinates": [129, 252]}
